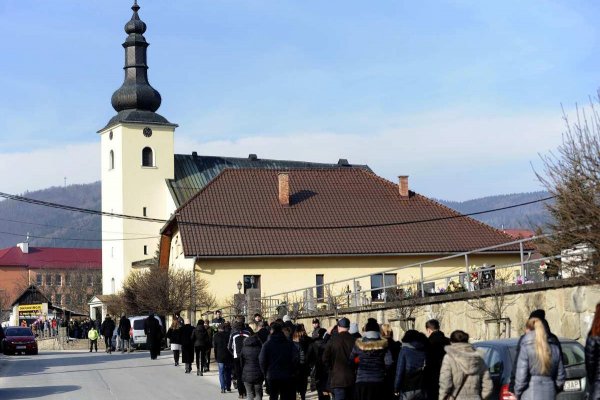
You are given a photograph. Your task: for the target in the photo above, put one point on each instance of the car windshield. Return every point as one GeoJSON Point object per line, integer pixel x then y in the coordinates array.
{"type": "Point", "coordinates": [18, 332]}
{"type": "Point", "coordinates": [573, 354]}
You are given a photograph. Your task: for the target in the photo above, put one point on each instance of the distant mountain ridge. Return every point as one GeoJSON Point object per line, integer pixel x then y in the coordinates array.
{"type": "Point", "coordinates": [59, 228]}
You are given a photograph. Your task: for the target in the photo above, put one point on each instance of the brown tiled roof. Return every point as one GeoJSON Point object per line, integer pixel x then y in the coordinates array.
{"type": "Point", "coordinates": [238, 214]}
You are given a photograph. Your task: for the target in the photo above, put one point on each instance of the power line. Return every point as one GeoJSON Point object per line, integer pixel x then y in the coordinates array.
{"type": "Point", "coordinates": [77, 239]}
{"type": "Point", "coordinates": [265, 227]}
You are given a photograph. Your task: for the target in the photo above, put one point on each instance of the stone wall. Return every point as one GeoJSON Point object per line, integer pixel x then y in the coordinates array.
{"type": "Point", "coordinates": [569, 306]}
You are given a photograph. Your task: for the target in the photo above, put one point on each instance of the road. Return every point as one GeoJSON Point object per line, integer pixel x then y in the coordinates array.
{"type": "Point", "coordinates": [91, 376]}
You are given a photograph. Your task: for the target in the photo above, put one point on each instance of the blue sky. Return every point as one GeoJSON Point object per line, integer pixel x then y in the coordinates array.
{"type": "Point", "coordinates": [460, 95]}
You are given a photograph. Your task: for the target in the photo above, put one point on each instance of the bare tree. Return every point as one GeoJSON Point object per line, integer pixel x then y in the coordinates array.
{"type": "Point", "coordinates": [405, 305]}
{"type": "Point", "coordinates": [165, 291]}
{"type": "Point", "coordinates": [572, 175]}
{"type": "Point", "coordinates": [4, 305]}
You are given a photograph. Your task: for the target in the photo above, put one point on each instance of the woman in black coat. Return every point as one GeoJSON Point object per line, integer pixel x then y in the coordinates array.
{"type": "Point", "coordinates": [174, 336]}
{"type": "Point", "coordinates": [252, 375]}
{"type": "Point", "coordinates": [320, 370]}
{"type": "Point", "coordinates": [187, 346]}
{"type": "Point", "coordinates": [202, 343]}
{"type": "Point", "coordinates": [592, 357]}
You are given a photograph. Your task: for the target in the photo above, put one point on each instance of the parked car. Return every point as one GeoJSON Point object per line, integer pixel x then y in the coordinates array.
{"type": "Point", "coordinates": [19, 340]}
{"type": "Point", "coordinates": [138, 335]}
{"type": "Point", "coordinates": [499, 355]}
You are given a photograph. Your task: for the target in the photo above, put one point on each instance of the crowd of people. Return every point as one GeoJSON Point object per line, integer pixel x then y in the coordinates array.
{"type": "Point", "coordinates": [347, 363]}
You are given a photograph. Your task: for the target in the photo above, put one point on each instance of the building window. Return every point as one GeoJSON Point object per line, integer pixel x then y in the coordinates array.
{"type": "Point", "coordinates": [112, 285]}
{"type": "Point", "coordinates": [39, 279]}
{"type": "Point", "coordinates": [58, 280]}
{"type": "Point", "coordinates": [379, 281]}
{"type": "Point", "coordinates": [111, 160]}
{"type": "Point", "coordinates": [251, 282]}
{"type": "Point", "coordinates": [68, 299]}
{"type": "Point", "coordinates": [320, 288]}
{"type": "Point", "coordinates": [144, 212]}
{"type": "Point", "coordinates": [145, 250]}
{"type": "Point", "coordinates": [58, 298]}
{"type": "Point", "coordinates": [147, 157]}
{"type": "Point", "coordinates": [48, 279]}
{"type": "Point", "coordinates": [67, 279]}
{"type": "Point", "coordinates": [90, 280]}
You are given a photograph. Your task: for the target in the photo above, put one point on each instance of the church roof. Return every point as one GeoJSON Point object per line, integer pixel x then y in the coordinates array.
{"type": "Point", "coordinates": [193, 172]}
{"type": "Point", "coordinates": [335, 211]}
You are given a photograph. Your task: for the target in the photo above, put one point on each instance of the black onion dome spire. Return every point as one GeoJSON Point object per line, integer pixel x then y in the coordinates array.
{"type": "Point", "coordinates": [136, 100]}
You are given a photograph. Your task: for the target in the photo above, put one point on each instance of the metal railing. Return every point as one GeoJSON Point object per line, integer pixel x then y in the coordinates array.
{"type": "Point", "coordinates": [348, 293]}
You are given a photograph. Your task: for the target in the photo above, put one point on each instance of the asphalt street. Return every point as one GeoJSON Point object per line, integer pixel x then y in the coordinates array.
{"type": "Point", "coordinates": [91, 376]}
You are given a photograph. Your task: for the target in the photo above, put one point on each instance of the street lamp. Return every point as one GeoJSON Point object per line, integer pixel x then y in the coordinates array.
{"type": "Point", "coordinates": [239, 286]}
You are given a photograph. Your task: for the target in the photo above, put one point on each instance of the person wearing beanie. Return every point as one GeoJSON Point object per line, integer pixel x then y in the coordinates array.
{"type": "Point", "coordinates": [372, 358]}
{"type": "Point", "coordinates": [335, 357]}
{"type": "Point", "coordinates": [552, 340]}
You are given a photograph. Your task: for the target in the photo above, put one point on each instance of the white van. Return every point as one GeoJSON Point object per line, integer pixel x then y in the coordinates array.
{"type": "Point", "coordinates": [138, 335]}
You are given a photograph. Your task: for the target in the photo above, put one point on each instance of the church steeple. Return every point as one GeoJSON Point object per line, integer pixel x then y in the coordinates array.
{"type": "Point", "coordinates": [136, 100]}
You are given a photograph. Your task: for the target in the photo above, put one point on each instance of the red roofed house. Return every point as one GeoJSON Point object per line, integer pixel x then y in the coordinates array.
{"type": "Point", "coordinates": [67, 276]}
{"type": "Point", "coordinates": [276, 231]}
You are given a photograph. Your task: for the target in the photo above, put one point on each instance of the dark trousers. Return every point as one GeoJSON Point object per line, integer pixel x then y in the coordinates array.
{"type": "Point", "coordinates": [176, 356]}
{"type": "Point", "coordinates": [369, 391]}
{"type": "Point", "coordinates": [282, 389]}
{"type": "Point", "coordinates": [237, 369]}
{"type": "Point", "coordinates": [301, 384]}
{"type": "Point", "coordinates": [345, 393]}
{"type": "Point", "coordinates": [201, 357]}
{"type": "Point", "coordinates": [108, 343]}
{"type": "Point", "coordinates": [254, 391]}
{"type": "Point", "coordinates": [94, 343]}
{"type": "Point", "coordinates": [208, 359]}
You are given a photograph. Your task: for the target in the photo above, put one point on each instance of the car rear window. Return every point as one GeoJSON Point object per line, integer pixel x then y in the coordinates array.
{"type": "Point", "coordinates": [138, 324]}
{"type": "Point", "coordinates": [18, 332]}
{"type": "Point", "coordinates": [573, 354]}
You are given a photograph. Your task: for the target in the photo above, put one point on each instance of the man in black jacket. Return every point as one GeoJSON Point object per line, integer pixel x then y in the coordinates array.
{"type": "Point", "coordinates": [106, 329]}
{"type": "Point", "coordinates": [124, 329]}
{"type": "Point", "coordinates": [223, 357]}
{"type": "Point", "coordinates": [279, 360]}
{"type": "Point", "coordinates": [236, 342]}
{"type": "Point", "coordinates": [337, 358]}
{"type": "Point", "coordinates": [433, 358]}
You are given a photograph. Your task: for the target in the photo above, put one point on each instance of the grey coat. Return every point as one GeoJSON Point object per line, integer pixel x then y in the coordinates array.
{"type": "Point", "coordinates": [462, 365]}
{"type": "Point", "coordinates": [530, 384]}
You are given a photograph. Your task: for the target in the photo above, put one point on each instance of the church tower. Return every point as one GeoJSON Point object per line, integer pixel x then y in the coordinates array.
{"type": "Point", "coordinates": [137, 158]}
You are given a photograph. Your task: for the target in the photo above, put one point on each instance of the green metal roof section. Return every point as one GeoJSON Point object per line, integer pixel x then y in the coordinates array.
{"type": "Point", "coordinates": [193, 172]}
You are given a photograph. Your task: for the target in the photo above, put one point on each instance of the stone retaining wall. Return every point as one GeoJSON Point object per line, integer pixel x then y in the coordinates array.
{"type": "Point", "coordinates": [569, 306]}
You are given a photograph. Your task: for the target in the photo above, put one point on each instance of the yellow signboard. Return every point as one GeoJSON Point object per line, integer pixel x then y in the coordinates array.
{"type": "Point", "coordinates": [30, 307]}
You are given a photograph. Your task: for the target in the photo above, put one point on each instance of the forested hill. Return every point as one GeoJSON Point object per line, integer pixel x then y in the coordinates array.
{"type": "Point", "coordinates": [526, 217]}
{"type": "Point", "coordinates": [59, 228]}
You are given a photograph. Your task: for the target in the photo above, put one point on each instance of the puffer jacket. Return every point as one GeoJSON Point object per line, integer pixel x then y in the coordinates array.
{"type": "Point", "coordinates": [373, 358]}
{"type": "Point", "coordinates": [464, 374]}
{"type": "Point", "coordinates": [529, 382]}
{"type": "Point", "coordinates": [410, 368]}
{"type": "Point", "coordinates": [201, 338]}
{"type": "Point", "coordinates": [592, 366]}
{"type": "Point", "coordinates": [251, 372]}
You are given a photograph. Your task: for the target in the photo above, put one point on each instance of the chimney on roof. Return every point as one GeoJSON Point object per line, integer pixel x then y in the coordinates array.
{"type": "Point", "coordinates": [284, 188]}
{"type": "Point", "coordinates": [252, 157]}
{"type": "Point", "coordinates": [403, 186]}
{"type": "Point", "coordinates": [24, 247]}
{"type": "Point", "coordinates": [194, 154]}
{"type": "Point", "coordinates": [343, 162]}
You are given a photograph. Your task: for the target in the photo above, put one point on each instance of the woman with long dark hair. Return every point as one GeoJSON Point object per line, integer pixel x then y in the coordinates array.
{"type": "Point", "coordinates": [201, 340]}
{"type": "Point", "coordinates": [592, 357]}
{"type": "Point", "coordinates": [302, 343]}
{"type": "Point", "coordinates": [540, 371]}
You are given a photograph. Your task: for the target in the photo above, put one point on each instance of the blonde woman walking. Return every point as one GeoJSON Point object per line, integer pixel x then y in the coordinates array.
{"type": "Point", "coordinates": [540, 371]}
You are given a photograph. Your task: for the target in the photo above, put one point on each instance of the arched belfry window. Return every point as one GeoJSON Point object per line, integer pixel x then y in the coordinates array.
{"type": "Point", "coordinates": [111, 160]}
{"type": "Point", "coordinates": [147, 157]}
